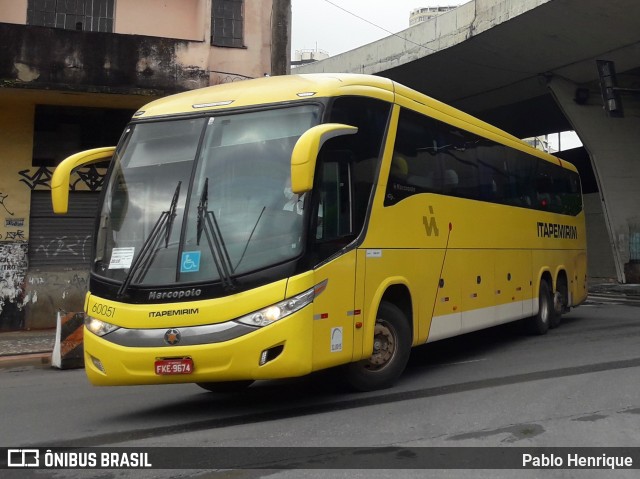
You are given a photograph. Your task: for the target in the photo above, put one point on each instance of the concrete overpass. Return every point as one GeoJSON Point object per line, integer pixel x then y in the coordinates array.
{"type": "Point", "coordinates": [529, 67]}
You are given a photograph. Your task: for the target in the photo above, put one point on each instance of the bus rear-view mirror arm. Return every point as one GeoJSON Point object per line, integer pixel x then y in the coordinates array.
{"type": "Point", "coordinates": [305, 153]}
{"type": "Point", "coordinates": [62, 174]}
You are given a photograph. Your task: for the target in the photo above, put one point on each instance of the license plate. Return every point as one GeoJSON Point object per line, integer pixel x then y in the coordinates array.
{"type": "Point", "coordinates": [174, 366]}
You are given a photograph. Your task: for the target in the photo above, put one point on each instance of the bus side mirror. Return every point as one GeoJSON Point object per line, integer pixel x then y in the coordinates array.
{"type": "Point", "coordinates": [305, 153]}
{"type": "Point", "coordinates": [62, 174]}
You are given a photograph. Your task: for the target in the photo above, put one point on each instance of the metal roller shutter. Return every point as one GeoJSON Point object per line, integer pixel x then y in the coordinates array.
{"type": "Point", "coordinates": [62, 240]}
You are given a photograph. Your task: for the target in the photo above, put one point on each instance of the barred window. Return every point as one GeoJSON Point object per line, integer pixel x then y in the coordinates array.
{"type": "Point", "coordinates": [87, 15]}
{"type": "Point", "coordinates": [227, 23]}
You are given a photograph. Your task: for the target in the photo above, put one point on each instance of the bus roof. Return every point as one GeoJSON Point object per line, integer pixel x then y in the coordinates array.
{"type": "Point", "coordinates": [292, 88]}
{"type": "Point", "coordinates": [269, 90]}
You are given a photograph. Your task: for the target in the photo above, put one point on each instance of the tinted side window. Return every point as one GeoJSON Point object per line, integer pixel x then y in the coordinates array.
{"type": "Point", "coordinates": [434, 157]}
{"type": "Point", "coordinates": [431, 156]}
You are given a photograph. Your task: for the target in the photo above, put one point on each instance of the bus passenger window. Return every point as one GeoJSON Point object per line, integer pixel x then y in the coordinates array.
{"type": "Point", "coordinates": [334, 210]}
{"type": "Point", "coordinates": [346, 172]}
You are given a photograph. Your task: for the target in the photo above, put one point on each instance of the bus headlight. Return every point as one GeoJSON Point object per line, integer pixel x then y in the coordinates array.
{"type": "Point", "coordinates": [279, 310]}
{"type": "Point", "coordinates": [98, 327]}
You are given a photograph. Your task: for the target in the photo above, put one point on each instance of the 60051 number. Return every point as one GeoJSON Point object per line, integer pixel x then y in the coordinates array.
{"type": "Point", "coordinates": [104, 310]}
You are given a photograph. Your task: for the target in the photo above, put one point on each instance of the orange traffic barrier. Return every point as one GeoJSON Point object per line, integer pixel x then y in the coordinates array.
{"type": "Point", "coordinates": [68, 350]}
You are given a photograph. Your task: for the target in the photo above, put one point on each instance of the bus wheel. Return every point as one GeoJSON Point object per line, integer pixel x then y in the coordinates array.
{"type": "Point", "coordinates": [227, 386]}
{"type": "Point", "coordinates": [539, 324]}
{"type": "Point", "coordinates": [391, 348]}
{"type": "Point", "coordinates": [559, 303]}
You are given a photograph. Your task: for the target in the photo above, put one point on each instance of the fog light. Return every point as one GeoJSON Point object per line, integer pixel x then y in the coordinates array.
{"type": "Point", "coordinates": [98, 364]}
{"type": "Point", "coordinates": [270, 354]}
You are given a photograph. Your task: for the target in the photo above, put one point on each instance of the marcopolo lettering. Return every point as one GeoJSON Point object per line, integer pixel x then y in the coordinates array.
{"type": "Point", "coordinates": [173, 312]}
{"type": "Point", "coordinates": [189, 293]}
{"type": "Point", "coordinates": [555, 230]}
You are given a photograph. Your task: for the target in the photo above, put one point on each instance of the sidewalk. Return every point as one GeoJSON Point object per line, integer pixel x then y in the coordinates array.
{"type": "Point", "coordinates": [614, 289]}
{"type": "Point", "coordinates": [26, 348]}
{"type": "Point", "coordinates": [33, 348]}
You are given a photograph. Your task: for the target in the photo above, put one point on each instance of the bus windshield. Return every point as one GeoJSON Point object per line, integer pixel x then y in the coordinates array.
{"type": "Point", "coordinates": [203, 199]}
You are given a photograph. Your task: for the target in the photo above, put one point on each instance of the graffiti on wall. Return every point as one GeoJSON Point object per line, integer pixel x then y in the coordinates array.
{"type": "Point", "coordinates": [91, 177]}
{"type": "Point", "coordinates": [17, 235]}
{"type": "Point", "coordinates": [41, 177]}
{"type": "Point", "coordinates": [75, 245]}
{"type": "Point", "coordinates": [56, 285]}
{"type": "Point", "coordinates": [3, 198]}
{"type": "Point", "coordinates": [13, 268]}
{"type": "Point", "coordinates": [88, 178]}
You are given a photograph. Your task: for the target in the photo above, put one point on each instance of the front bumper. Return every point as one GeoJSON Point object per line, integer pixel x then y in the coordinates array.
{"type": "Point", "coordinates": [108, 363]}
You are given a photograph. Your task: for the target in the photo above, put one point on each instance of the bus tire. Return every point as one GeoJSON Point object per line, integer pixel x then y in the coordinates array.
{"type": "Point", "coordinates": [539, 324]}
{"type": "Point", "coordinates": [560, 300]}
{"type": "Point", "coordinates": [391, 349]}
{"type": "Point", "coordinates": [227, 387]}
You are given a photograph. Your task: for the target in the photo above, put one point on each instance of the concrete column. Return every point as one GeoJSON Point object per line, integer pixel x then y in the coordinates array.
{"type": "Point", "coordinates": [281, 37]}
{"type": "Point", "coordinates": [613, 145]}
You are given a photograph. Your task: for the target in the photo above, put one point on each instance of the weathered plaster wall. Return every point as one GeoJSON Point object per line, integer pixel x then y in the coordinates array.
{"type": "Point", "coordinates": [13, 11]}
{"type": "Point", "coordinates": [16, 127]}
{"type": "Point", "coordinates": [53, 58]}
{"type": "Point", "coordinates": [169, 19]}
{"type": "Point", "coordinates": [253, 61]}
{"type": "Point", "coordinates": [50, 290]}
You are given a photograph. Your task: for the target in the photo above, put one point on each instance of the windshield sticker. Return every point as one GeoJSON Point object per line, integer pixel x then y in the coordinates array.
{"type": "Point", "coordinates": [190, 262]}
{"type": "Point", "coordinates": [121, 258]}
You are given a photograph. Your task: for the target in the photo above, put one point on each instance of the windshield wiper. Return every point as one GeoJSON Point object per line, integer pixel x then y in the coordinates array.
{"type": "Point", "coordinates": [250, 236]}
{"type": "Point", "coordinates": [208, 223]}
{"type": "Point", "coordinates": [152, 244]}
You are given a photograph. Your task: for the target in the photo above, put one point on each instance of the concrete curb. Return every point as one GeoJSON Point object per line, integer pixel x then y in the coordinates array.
{"type": "Point", "coordinates": [33, 360]}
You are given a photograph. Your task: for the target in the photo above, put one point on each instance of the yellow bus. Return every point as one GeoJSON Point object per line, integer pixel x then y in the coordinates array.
{"type": "Point", "coordinates": [279, 226]}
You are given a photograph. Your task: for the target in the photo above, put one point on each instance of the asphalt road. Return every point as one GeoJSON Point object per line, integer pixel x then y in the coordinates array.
{"type": "Point", "coordinates": [577, 386]}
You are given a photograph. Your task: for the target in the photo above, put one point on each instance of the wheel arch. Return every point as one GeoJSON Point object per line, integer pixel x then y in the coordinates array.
{"type": "Point", "coordinates": [561, 276]}
{"type": "Point", "coordinates": [545, 275]}
{"type": "Point", "coordinates": [397, 291]}
{"type": "Point", "coordinates": [400, 295]}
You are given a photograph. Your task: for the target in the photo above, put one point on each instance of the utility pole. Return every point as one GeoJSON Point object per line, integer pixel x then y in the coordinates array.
{"type": "Point", "coordinates": [281, 37]}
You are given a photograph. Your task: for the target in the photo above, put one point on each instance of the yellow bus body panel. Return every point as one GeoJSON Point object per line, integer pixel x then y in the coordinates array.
{"type": "Point", "coordinates": [264, 91]}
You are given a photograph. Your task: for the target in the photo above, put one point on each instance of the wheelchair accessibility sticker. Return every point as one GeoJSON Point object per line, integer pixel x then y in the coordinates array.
{"type": "Point", "coordinates": [190, 262]}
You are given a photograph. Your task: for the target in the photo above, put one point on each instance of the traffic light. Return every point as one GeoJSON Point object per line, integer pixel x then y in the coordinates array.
{"type": "Point", "coordinates": [609, 88]}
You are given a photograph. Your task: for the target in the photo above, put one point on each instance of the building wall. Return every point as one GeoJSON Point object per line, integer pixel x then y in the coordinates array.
{"type": "Point", "coordinates": [31, 297]}
{"type": "Point", "coordinates": [188, 20]}
{"type": "Point", "coordinates": [15, 142]}
{"type": "Point", "coordinates": [251, 62]}
{"type": "Point", "coordinates": [13, 11]}
{"type": "Point", "coordinates": [182, 19]}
